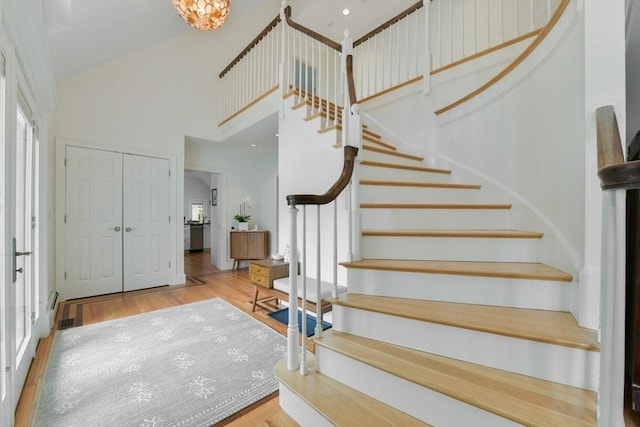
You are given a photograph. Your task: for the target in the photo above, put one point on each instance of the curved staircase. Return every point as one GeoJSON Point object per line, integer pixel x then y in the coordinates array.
{"type": "Point", "coordinates": [450, 319]}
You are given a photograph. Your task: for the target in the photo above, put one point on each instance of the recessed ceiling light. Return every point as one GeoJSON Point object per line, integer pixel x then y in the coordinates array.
{"type": "Point", "coordinates": [253, 145]}
{"type": "Point", "coordinates": [346, 11]}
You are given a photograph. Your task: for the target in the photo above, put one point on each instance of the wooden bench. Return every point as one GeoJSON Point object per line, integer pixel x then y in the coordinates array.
{"type": "Point", "coordinates": [280, 291]}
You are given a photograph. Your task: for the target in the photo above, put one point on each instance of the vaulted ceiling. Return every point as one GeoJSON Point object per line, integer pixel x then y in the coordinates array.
{"type": "Point", "coordinates": [85, 33]}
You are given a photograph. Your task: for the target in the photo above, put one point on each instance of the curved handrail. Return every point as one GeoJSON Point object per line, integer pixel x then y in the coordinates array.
{"type": "Point", "coordinates": [543, 34]}
{"type": "Point", "coordinates": [614, 172]}
{"type": "Point", "coordinates": [270, 26]}
{"type": "Point", "coordinates": [351, 81]}
{"type": "Point", "coordinates": [310, 32]}
{"type": "Point", "coordinates": [335, 190]}
{"type": "Point", "coordinates": [389, 23]}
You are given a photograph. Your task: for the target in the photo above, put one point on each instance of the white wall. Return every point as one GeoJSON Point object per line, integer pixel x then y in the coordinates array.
{"type": "Point", "coordinates": [149, 101]}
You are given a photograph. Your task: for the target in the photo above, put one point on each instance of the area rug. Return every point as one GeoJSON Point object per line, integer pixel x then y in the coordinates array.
{"type": "Point", "coordinates": [191, 365]}
{"type": "Point", "coordinates": [282, 316]}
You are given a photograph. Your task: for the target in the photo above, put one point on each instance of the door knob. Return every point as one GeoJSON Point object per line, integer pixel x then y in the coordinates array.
{"type": "Point", "coordinates": [129, 229]}
{"type": "Point", "coordinates": [116, 228]}
{"type": "Point", "coordinates": [19, 270]}
{"type": "Point", "coordinates": [22, 253]}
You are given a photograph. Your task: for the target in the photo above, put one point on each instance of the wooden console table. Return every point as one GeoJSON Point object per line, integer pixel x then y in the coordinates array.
{"type": "Point", "coordinates": [248, 245]}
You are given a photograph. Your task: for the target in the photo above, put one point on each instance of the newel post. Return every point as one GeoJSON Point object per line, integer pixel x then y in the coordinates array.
{"type": "Point", "coordinates": [293, 357]}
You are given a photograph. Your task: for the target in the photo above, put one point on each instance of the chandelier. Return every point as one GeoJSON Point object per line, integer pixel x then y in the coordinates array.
{"type": "Point", "coordinates": [203, 14]}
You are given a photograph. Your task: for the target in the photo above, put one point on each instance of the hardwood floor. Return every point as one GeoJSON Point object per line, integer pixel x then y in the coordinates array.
{"type": "Point", "coordinates": [204, 281]}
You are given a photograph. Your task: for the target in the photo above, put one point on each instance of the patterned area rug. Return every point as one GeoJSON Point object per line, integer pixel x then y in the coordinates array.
{"type": "Point", "coordinates": [191, 365]}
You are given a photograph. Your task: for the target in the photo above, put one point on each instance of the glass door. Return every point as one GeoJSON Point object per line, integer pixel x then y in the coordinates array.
{"type": "Point", "coordinates": [24, 279]}
{"type": "Point", "coordinates": [5, 316]}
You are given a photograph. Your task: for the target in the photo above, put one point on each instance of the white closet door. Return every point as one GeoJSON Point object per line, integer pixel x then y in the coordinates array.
{"type": "Point", "coordinates": [93, 222]}
{"type": "Point", "coordinates": [146, 222]}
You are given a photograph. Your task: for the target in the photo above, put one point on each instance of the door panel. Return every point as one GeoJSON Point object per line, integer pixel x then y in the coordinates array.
{"type": "Point", "coordinates": [22, 247]}
{"type": "Point", "coordinates": [94, 222]}
{"type": "Point", "coordinates": [146, 222]}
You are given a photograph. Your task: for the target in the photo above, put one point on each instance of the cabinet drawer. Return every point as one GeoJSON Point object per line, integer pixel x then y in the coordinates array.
{"type": "Point", "coordinates": [258, 269]}
{"type": "Point", "coordinates": [261, 280]}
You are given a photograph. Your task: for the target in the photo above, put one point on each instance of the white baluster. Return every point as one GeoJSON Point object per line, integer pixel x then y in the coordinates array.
{"type": "Point", "coordinates": [318, 279]}
{"type": "Point", "coordinates": [334, 292]}
{"type": "Point", "coordinates": [440, 32]}
{"type": "Point", "coordinates": [417, 62]}
{"type": "Point", "coordinates": [292, 270]}
{"type": "Point", "coordinates": [406, 43]}
{"type": "Point", "coordinates": [426, 73]}
{"type": "Point", "coordinates": [517, 18]}
{"type": "Point", "coordinates": [450, 31]}
{"type": "Point", "coordinates": [293, 361]}
{"type": "Point", "coordinates": [488, 24]}
{"type": "Point", "coordinates": [355, 139]}
{"type": "Point", "coordinates": [531, 20]}
{"type": "Point", "coordinates": [501, 21]}
{"type": "Point", "coordinates": [475, 26]}
{"type": "Point", "coordinates": [462, 27]}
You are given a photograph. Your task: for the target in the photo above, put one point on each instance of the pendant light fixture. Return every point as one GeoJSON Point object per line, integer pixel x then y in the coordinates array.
{"type": "Point", "coordinates": [203, 14]}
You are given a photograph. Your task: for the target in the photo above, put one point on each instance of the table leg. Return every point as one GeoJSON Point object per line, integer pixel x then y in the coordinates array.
{"type": "Point", "coordinates": [255, 298]}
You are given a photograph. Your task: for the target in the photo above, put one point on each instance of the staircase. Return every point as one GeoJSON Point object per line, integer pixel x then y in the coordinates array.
{"type": "Point", "coordinates": [449, 319]}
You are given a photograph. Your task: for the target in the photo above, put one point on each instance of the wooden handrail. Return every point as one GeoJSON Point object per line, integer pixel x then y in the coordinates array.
{"type": "Point", "coordinates": [614, 172]}
{"type": "Point", "coordinates": [351, 81]}
{"type": "Point", "coordinates": [335, 190]}
{"type": "Point", "coordinates": [541, 36]}
{"type": "Point", "coordinates": [389, 23]}
{"type": "Point", "coordinates": [270, 26]}
{"type": "Point", "coordinates": [310, 32]}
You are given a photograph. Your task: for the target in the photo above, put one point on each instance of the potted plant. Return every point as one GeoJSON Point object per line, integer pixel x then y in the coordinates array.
{"type": "Point", "coordinates": [242, 217]}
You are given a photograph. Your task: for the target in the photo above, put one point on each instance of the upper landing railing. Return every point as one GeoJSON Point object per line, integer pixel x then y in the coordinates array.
{"type": "Point", "coordinates": [425, 39]}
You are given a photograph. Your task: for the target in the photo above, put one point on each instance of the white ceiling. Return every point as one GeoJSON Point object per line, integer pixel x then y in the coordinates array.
{"type": "Point", "coordinates": [85, 33]}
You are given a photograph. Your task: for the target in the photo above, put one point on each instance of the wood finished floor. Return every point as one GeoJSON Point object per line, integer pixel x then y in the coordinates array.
{"type": "Point", "coordinates": [204, 281]}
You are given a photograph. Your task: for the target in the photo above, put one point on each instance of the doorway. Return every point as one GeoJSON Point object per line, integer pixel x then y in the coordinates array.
{"type": "Point", "coordinates": [202, 193]}
{"type": "Point", "coordinates": [117, 218]}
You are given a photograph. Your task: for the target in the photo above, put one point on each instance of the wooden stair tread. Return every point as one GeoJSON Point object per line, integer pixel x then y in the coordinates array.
{"type": "Point", "coordinates": [435, 206]}
{"type": "Point", "coordinates": [551, 327]}
{"type": "Point", "coordinates": [340, 404]}
{"type": "Point", "coordinates": [391, 152]}
{"type": "Point", "coordinates": [404, 167]}
{"type": "Point", "coordinates": [378, 141]}
{"type": "Point", "coordinates": [495, 234]}
{"type": "Point", "coordinates": [387, 183]}
{"type": "Point", "coordinates": [522, 399]}
{"type": "Point", "coordinates": [512, 270]}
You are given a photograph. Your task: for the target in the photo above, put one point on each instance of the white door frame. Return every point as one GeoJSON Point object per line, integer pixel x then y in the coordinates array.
{"type": "Point", "coordinates": [176, 273]}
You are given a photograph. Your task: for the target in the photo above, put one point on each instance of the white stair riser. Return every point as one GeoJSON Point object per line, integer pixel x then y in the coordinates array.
{"type": "Point", "coordinates": [385, 173]}
{"type": "Point", "coordinates": [389, 194]}
{"type": "Point", "coordinates": [375, 156]}
{"type": "Point", "coordinates": [298, 409]}
{"type": "Point", "coordinates": [565, 365]}
{"type": "Point", "coordinates": [411, 219]}
{"type": "Point", "coordinates": [422, 403]}
{"type": "Point", "coordinates": [451, 249]}
{"type": "Point", "coordinates": [505, 292]}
